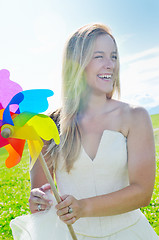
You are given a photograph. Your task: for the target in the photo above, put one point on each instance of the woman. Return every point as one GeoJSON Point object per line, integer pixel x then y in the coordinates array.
{"type": "Point", "coordinates": [105, 164]}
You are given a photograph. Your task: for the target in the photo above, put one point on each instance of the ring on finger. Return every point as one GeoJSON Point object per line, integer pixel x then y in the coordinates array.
{"type": "Point", "coordinates": [70, 210]}
{"type": "Point", "coordinates": [39, 207]}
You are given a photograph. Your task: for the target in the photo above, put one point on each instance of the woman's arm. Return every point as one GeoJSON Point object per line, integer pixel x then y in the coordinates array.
{"type": "Point", "coordinates": [141, 168]}
{"type": "Point", "coordinates": [39, 186]}
{"type": "Point", "coordinates": [37, 175]}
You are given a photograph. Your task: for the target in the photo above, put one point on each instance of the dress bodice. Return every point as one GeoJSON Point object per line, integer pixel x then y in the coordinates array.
{"type": "Point", "coordinates": [107, 173]}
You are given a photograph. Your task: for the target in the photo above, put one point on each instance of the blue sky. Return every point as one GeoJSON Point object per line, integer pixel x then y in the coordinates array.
{"type": "Point", "coordinates": [33, 34]}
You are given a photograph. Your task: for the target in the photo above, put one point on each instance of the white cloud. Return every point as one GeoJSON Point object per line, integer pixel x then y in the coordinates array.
{"type": "Point", "coordinates": [140, 78]}
{"type": "Point", "coordinates": [136, 56]}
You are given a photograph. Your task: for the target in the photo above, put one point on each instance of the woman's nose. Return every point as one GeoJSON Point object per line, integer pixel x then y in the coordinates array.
{"type": "Point", "coordinates": [108, 64]}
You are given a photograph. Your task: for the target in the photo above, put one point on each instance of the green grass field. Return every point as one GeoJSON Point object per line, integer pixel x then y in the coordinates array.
{"type": "Point", "coordinates": [15, 190]}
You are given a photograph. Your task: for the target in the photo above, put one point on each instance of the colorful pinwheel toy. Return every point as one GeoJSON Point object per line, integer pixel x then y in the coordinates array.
{"type": "Point", "coordinates": [25, 124]}
{"type": "Point", "coordinates": [21, 121]}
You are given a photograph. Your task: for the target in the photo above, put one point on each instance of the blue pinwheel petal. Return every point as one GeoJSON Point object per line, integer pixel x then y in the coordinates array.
{"type": "Point", "coordinates": [17, 99]}
{"type": "Point", "coordinates": [18, 111]}
{"type": "Point", "coordinates": [35, 100]}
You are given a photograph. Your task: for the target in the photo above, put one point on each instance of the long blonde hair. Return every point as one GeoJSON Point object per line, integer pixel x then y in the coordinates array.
{"type": "Point", "coordinates": [77, 54]}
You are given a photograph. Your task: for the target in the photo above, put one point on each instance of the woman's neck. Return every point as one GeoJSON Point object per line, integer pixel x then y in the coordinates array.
{"type": "Point", "coordinates": [94, 105]}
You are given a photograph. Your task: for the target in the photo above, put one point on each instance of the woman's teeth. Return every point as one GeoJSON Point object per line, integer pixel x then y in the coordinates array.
{"type": "Point", "coordinates": [105, 76]}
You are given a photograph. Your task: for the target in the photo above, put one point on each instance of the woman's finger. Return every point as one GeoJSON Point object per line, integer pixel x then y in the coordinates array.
{"type": "Point", "coordinates": [66, 202]}
{"type": "Point", "coordinates": [38, 204]}
{"type": "Point", "coordinates": [45, 187]}
{"type": "Point", "coordinates": [37, 192]}
{"type": "Point", "coordinates": [42, 195]}
{"type": "Point", "coordinates": [63, 211]}
{"type": "Point", "coordinates": [64, 197]}
{"type": "Point", "coordinates": [41, 207]}
{"type": "Point", "coordinates": [67, 219]}
{"type": "Point", "coordinates": [38, 200]}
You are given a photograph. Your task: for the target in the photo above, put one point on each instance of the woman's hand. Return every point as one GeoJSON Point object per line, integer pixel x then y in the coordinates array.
{"type": "Point", "coordinates": [69, 210]}
{"type": "Point", "coordinates": [39, 200]}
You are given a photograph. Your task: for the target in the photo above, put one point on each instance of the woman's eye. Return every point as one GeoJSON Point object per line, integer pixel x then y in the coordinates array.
{"type": "Point", "coordinates": [99, 56]}
{"type": "Point", "coordinates": [114, 57]}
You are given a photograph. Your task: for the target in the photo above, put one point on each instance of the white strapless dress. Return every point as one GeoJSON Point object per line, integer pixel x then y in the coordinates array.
{"type": "Point", "coordinates": [107, 173]}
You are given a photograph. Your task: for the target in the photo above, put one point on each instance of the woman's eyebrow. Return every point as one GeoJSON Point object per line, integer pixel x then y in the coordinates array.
{"type": "Point", "coordinates": [98, 52]}
{"type": "Point", "coordinates": [101, 52]}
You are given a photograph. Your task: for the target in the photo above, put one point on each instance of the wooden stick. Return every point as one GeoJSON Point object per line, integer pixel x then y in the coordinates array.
{"type": "Point", "coordinates": [50, 180]}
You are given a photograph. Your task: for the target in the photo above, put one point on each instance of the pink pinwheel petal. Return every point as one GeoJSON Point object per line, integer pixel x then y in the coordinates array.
{"type": "Point", "coordinates": [3, 141]}
{"type": "Point", "coordinates": [8, 89]}
{"type": "Point", "coordinates": [1, 106]}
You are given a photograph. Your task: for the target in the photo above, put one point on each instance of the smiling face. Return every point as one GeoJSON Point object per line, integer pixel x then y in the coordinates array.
{"type": "Point", "coordinates": [100, 70]}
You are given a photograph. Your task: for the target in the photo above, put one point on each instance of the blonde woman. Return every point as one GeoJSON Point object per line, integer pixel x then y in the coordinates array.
{"type": "Point", "coordinates": [105, 164]}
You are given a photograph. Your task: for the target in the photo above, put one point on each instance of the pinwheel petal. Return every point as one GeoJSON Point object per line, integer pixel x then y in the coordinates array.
{"type": "Point", "coordinates": [1, 117]}
{"type": "Point", "coordinates": [1, 106]}
{"type": "Point", "coordinates": [11, 113]}
{"type": "Point", "coordinates": [8, 89]}
{"type": "Point", "coordinates": [15, 149]}
{"type": "Point", "coordinates": [21, 119]}
{"type": "Point", "coordinates": [13, 158]}
{"type": "Point", "coordinates": [1, 113]}
{"type": "Point", "coordinates": [45, 127]}
{"type": "Point", "coordinates": [26, 132]}
{"type": "Point", "coordinates": [35, 148]}
{"type": "Point", "coordinates": [17, 99]}
{"type": "Point", "coordinates": [28, 101]}
{"type": "Point", "coordinates": [3, 141]}
{"type": "Point", "coordinates": [35, 100]}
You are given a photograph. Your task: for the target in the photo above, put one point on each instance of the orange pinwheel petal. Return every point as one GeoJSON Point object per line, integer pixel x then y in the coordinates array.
{"type": "Point", "coordinates": [15, 150]}
{"type": "Point", "coordinates": [1, 113]}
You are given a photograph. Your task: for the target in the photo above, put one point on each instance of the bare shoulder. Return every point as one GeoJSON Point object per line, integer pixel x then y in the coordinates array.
{"type": "Point", "coordinates": [128, 110]}
{"type": "Point", "coordinates": [138, 112]}
{"type": "Point", "coordinates": [138, 117]}
{"type": "Point", "coordinates": [133, 117]}
{"type": "Point", "coordinates": [137, 120]}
